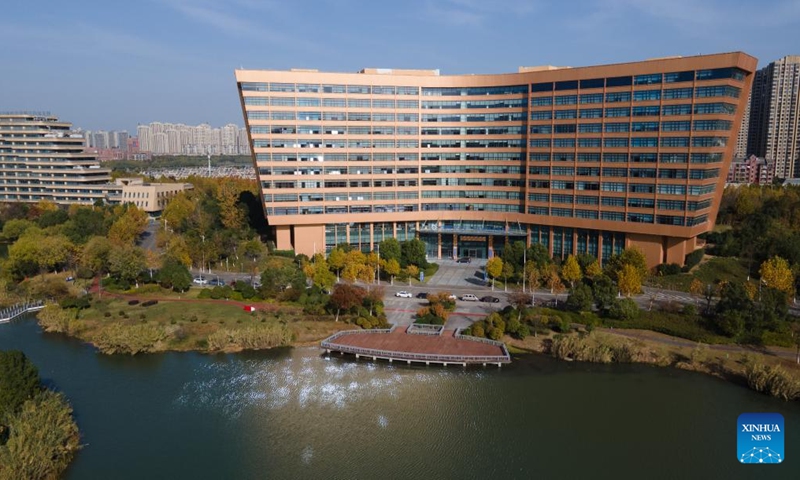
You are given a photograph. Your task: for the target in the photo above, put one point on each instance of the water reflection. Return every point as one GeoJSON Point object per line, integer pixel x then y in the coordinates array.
{"type": "Point", "coordinates": [299, 380]}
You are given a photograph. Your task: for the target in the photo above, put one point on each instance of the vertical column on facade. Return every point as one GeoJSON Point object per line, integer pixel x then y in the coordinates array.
{"type": "Point", "coordinates": [371, 237]}
{"type": "Point", "coordinates": [439, 245]}
{"type": "Point", "coordinates": [574, 241]}
{"type": "Point", "coordinates": [600, 247]}
{"type": "Point", "coordinates": [455, 245]}
{"type": "Point", "coordinates": [550, 243]}
{"type": "Point", "coordinates": [527, 237]}
{"type": "Point", "coordinates": [490, 246]}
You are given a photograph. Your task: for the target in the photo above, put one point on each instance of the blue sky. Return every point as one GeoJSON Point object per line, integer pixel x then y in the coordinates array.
{"type": "Point", "coordinates": [114, 64]}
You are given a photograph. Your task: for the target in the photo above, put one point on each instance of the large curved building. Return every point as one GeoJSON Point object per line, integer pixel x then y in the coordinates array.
{"type": "Point", "coordinates": [581, 160]}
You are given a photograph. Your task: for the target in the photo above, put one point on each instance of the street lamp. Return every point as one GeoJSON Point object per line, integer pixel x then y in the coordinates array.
{"type": "Point", "coordinates": [202, 265]}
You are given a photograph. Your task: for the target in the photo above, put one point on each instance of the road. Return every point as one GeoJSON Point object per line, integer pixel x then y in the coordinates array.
{"type": "Point", "coordinates": [148, 239]}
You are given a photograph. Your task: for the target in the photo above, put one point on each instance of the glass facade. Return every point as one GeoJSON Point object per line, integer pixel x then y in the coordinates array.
{"type": "Point", "coordinates": [374, 152]}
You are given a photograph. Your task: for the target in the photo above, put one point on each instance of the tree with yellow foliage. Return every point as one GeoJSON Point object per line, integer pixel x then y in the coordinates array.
{"type": "Point", "coordinates": [494, 268]}
{"type": "Point", "coordinates": [571, 271]}
{"type": "Point", "coordinates": [412, 271]}
{"type": "Point", "coordinates": [775, 273]}
{"type": "Point", "coordinates": [128, 226]}
{"type": "Point", "coordinates": [594, 269]}
{"type": "Point", "coordinates": [629, 280]}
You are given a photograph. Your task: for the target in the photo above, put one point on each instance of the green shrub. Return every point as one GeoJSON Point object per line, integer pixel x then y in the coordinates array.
{"type": "Point", "coordinates": [693, 259]}
{"type": "Point", "coordinates": [204, 293]}
{"type": "Point", "coordinates": [149, 303]}
{"type": "Point", "coordinates": [133, 302]}
{"type": "Point", "coordinates": [624, 309]}
{"type": "Point", "coordinates": [74, 302]}
{"type": "Point", "coordinates": [667, 269]}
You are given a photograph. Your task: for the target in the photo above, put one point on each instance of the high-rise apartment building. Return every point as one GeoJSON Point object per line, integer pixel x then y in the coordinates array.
{"type": "Point", "coordinates": [774, 124]}
{"type": "Point", "coordinates": [180, 139]}
{"type": "Point", "coordinates": [41, 158]}
{"type": "Point", "coordinates": [581, 160]}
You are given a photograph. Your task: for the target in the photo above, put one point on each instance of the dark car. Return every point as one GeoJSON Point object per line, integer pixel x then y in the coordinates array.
{"type": "Point", "coordinates": [490, 299]}
{"type": "Point", "coordinates": [422, 295]}
{"type": "Point", "coordinates": [464, 260]}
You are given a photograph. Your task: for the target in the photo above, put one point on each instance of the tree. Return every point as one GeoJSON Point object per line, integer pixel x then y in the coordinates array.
{"type": "Point", "coordinates": [128, 226]}
{"type": "Point", "coordinates": [696, 288]}
{"type": "Point", "coordinates": [232, 213]}
{"type": "Point", "coordinates": [345, 298]}
{"type": "Point", "coordinates": [630, 256]}
{"type": "Point", "coordinates": [54, 251]}
{"type": "Point", "coordinates": [514, 254]}
{"type": "Point", "coordinates": [775, 273]}
{"type": "Point", "coordinates": [14, 228]}
{"type": "Point", "coordinates": [519, 301]}
{"type": "Point", "coordinates": [390, 249]}
{"type": "Point", "coordinates": [336, 260]}
{"type": "Point", "coordinates": [177, 249]}
{"type": "Point", "coordinates": [532, 276]}
{"type": "Point", "coordinates": [508, 271]}
{"type": "Point", "coordinates": [552, 279]}
{"type": "Point", "coordinates": [19, 381]}
{"type": "Point", "coordinates": [23, 256]}
{"type": "Point", "coordinates": [95, 254]}
{"type": "Point", "coordinates": [373, 261]}
{"type": "Point", "coordinates": [539, 256]}
{"type": "Point", "coordinates": [593, 269]}
{"type": "Point", "coordinates": [629, 280]}
{"type": "Point", "coordinates": [277, 275]}
{"type": "Point", "coordinates": [174, 275]}
{"type": "Point", "coordinates": [412, 271]}
{"type": "Point", "coordinates": [125, 262]}
{"type": "Point", "coordinates": [580, 298]}
{"type": "Point", "coordinates": [178, 211]}
{"type": "Point", "coordinates": [412, 252]}
{"type": "Point", "coordinates": [392, 268]}
{"type": "Point", "coordinates": [624, 309]}
{"type": "Point", "coordinates": [494, 268]}
{"type": "Point", "coordinates": [85, 223]}
{"type": "Point", "coordinates": [319, 272]}
{"type": "Point", "coordinates": [571, 271]}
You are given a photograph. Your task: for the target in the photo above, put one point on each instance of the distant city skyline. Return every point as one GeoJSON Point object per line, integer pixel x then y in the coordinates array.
{"type": "Point", "coordinates": [113, 66]}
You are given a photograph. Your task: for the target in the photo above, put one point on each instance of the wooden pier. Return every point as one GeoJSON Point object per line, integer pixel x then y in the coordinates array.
{"type": "Point", "coordinates": [420, 344]}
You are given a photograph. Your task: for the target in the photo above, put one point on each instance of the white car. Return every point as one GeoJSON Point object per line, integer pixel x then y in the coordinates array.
{"type": "Point", "coordinates": [468, 297]}
{"type": "Point", "coordinates": [199, 281]}
{"type": "Point", "coordinates": [403, 294]}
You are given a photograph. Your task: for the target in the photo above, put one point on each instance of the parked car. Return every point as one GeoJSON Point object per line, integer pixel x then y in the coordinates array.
{"type": "Point", "coordinates": [468, 297]}
{"type": "Point", "coordinates": [490, 299]}
{"type": "Point", "coordinates": [422, 295]}
{"type": "Point", "coordinates": [464, 260]}
{"type": "Point", "coordinates": [216, 282]}
{"type": "Point", "coordinates": [200, 281]}
{"type": "Point", "coordinates": [403, 294]}
{"type": "Point", "coordinates": [452, 296]}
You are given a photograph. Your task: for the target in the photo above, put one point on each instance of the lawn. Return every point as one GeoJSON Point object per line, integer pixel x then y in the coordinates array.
{"type": "Point", "coordinates": [183, 324]}
{"type": "Point", "coordinates": [710, 271]}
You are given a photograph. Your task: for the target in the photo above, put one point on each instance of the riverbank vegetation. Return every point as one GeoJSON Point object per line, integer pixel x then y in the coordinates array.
{"type": "Point", "coordinates": [128, 325]}
{"type": "Point", "coordinates": [38, 436]}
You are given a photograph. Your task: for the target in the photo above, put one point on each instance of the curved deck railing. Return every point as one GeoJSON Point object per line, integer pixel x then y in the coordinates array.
{"type": "Point", "coordinates": [330, 344]}
{"type": "Point", "coordinates": [10, 313]}
{"type": "Point", "coordinates": [425, 329]}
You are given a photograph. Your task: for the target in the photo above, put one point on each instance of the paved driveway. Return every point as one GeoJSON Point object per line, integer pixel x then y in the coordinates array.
{"type": "Point", "coordinates": [458, 275]}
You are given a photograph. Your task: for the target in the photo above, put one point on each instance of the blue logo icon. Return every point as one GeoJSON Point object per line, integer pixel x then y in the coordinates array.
{"type": "Point", "coordinates": [760, 438]}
